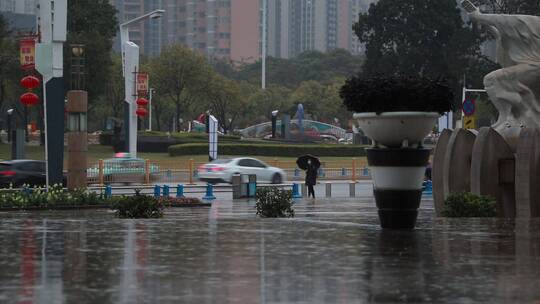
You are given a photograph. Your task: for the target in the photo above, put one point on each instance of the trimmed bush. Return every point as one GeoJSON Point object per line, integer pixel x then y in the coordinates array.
{"type": "Point", "coordinates": [106, 139]}
{"type": "Point", "coordinates": [270, 150]}
{"type": "Point", "coordinates": [274, 202]}
{"type": "Point", "coordinates": [466, 204]}
{"type": "Point", "coordinates": [159, 142]}
{"type": "Point", "coordinates": [138, 206]}
{"type": "Point", "coordinates": [396, 93]}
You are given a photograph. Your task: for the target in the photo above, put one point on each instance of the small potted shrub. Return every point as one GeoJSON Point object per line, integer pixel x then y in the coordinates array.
{"type": "Point", "coordinates": [138, 206]}
{"type": "Point", "coordinates": [394, 109]}
{"type": "Point", "coordinates": [397, 113]}
{"type": "Point", "coordinates": [274, 202]}
{"type": "Point", "coordinates": [466, 204]}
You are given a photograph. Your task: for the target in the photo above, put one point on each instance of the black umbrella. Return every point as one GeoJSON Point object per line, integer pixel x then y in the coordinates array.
{"type": "Point", "coordinates": [304, 161]}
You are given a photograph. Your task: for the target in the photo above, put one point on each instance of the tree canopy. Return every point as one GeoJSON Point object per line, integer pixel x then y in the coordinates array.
{"type": "Point", "coordinates": [421, 37]}
{"type": "Point", "coordinates": [10, 72]}
{"type": "Point", "coordinates": [311, 65]}
{"type": "Point", "coordinates": [180, 75]}
{"type": "Point", "coordinates": [94, 24]}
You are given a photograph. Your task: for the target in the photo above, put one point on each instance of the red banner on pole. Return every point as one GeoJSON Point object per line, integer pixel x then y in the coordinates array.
{"type": "Point", "coordinates": [142, 84]}
{"type": "Point", "coordinates": [27, 51]}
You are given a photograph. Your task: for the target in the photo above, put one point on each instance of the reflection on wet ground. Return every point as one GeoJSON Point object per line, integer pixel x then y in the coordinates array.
{"type": "Point", "coordinates": [332, 252]}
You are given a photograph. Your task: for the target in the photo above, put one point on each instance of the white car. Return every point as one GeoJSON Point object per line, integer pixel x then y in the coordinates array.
{"type": "Point", "coordinates": [222, 170]}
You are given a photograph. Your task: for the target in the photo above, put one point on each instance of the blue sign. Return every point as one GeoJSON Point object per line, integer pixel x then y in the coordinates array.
{"type": "Point", "coordinates": [469, 107]}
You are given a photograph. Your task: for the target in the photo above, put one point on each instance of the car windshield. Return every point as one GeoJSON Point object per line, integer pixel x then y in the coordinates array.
{"type": "Point", "coordinates": [220, 161]}
{"type": "Point", "coordinates": [4, 166]}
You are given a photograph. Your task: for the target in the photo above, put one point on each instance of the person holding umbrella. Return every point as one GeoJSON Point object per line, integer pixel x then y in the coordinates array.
{"type": "Point", "coordinates": [311, 165]}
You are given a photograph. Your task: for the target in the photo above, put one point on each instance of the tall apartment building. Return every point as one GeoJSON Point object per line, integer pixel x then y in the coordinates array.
{"type": "Point", "coordinates": [320, 25]}
{"type": "Point", "coordinates": [147, 35]}
{"type": "Point", "coordinates": [27, 7]}
{"type": "Point", "coordinates": [232, 29]}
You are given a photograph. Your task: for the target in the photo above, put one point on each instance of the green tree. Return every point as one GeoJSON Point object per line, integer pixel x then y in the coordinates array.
{"type": "Point", "coordinates": [263, 102]}
{"type": "Point", "coordinates": [94, 24]}
{"type": "Point", "coordinates": [321, 101]}
{"type": "Point", "coordinates": [311, 65]}
{"type": "Point", "coordinates": [421, 37]}
{"type": "Point", "coordinates": [225, 102]}
{"type": "Point", "coordinates": [10, 71]}
{"type": "Point", "coordinates": [110, 104]}
{"type": "Point", "coordinates": [181, 75]}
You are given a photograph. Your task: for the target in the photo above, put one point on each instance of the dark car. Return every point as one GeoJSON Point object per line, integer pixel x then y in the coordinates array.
{"type": "Point", "coordinates": [20, 172]}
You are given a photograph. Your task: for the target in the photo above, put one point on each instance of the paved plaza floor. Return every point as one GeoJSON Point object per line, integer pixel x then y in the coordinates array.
{"type": "Point", "coordinates": [333, 251]}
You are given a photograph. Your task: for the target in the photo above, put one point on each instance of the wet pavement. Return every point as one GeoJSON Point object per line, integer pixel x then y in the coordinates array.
{"type": "Point", "coordinates": [333, 251]}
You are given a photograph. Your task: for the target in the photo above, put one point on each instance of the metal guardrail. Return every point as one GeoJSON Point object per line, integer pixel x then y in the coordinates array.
{"type": "Point", "coordinates": [151, 172]}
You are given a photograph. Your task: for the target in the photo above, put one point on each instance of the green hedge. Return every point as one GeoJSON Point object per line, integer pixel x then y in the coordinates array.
{"type": "Point", "coordinates": [269, 150]}
{"type": "Point", "coordinates": [188, 138]}
{"type": "Point", "coordinates": [159, 142]}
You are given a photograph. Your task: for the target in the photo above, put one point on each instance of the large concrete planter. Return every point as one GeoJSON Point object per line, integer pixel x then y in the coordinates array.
{"type": "Point", "coordinates": [393, 129]}
{"type": "Point", "coordinates": [397, 184]}
{"type": "Point", "coordinates": [397, 162]}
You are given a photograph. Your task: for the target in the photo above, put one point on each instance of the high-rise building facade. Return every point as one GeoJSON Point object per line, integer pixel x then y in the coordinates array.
{"type": "Point", "coordinates": [147, 35]}
{"type": "Point", "coordinates": [28, 7]}
{"type": "Point", "coordinates": [232, 29]}
{"type": "Point", "coordinates": [320, 25]}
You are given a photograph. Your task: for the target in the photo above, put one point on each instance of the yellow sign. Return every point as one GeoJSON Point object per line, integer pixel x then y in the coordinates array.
{"type": "Point", "coordinates": [469, 122]}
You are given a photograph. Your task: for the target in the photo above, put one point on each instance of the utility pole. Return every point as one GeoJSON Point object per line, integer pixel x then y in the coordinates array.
{"type": "Point", "coordinates": [130, 68]}
{"type": "Point", "coordinates": [264, 28]}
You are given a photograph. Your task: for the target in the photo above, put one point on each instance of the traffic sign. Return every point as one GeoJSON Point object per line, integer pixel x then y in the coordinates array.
{"type": "Point", "coordinates": [469, 122]}
{"type": "Point", "coordinates": [469, 107]}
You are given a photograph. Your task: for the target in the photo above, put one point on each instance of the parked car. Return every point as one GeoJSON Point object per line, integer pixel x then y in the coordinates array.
{"type": "Point", "coordinates": [124, 169]}
{"type": "Point", "coordinates": [17, 173]}
{"type": "Point", "coordinates": [222, 170]}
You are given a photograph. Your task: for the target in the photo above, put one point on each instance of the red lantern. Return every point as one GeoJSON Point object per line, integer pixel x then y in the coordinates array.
{"type": "Point", "coordinates": [143, 102]}
{"type": "Point", "coordinates": [141, 112]}
{"type": "Point", "coordinates": [30, 82]}
{"type": "Point", "coordinates": [29, 99]}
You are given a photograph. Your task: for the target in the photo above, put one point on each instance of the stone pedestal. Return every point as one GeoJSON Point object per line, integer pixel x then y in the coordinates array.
{"type": "Point", "coordinates": [437, 171]}
{"type": "Point", "coordinates": [527, 174]}
{"type": "Point", "coordinates": [492, 170]}
{"type": "Point", "coordinates": [457, 162]}
{"type": "Point", "coordinates": [486, 164]}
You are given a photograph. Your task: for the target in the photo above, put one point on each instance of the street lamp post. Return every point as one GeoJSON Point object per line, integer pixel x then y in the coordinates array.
{"type": "Point", "coordinates": [9, 114]}
{"type": "Point", "coordinates": [264, 42]}
{"type": "Point", "coordinates": [130, 67]}
{"type": "Point", "coordinates": [274, 122]}
{"type": "Point", "coordinates": [150, 95]}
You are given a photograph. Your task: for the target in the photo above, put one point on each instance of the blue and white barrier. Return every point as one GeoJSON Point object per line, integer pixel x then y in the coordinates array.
{"type": "Point", "coordinates": [180, 191]}
{"type": "Point", "coordinates": [209, 193]}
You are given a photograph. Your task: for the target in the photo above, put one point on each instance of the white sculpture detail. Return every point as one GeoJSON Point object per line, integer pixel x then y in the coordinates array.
{"type": "Point", "coordinates": [514, 89]}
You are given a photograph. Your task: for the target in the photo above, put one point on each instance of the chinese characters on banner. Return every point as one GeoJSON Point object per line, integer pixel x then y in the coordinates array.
{"type": "Point", "coordinates": [28, 53]}
{"type": "Point", "coordinates": [142, 84]}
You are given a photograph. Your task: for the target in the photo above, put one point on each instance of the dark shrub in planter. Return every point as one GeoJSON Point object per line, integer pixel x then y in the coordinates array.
{"type": "Point", "coordinates": [138, 206]}
{"type": "Point", "coordinates": [395, 94]}
{"type": "Point", "coordinates": [466, 204]}
{"type": "Point", "coordinates": [274, 202]}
